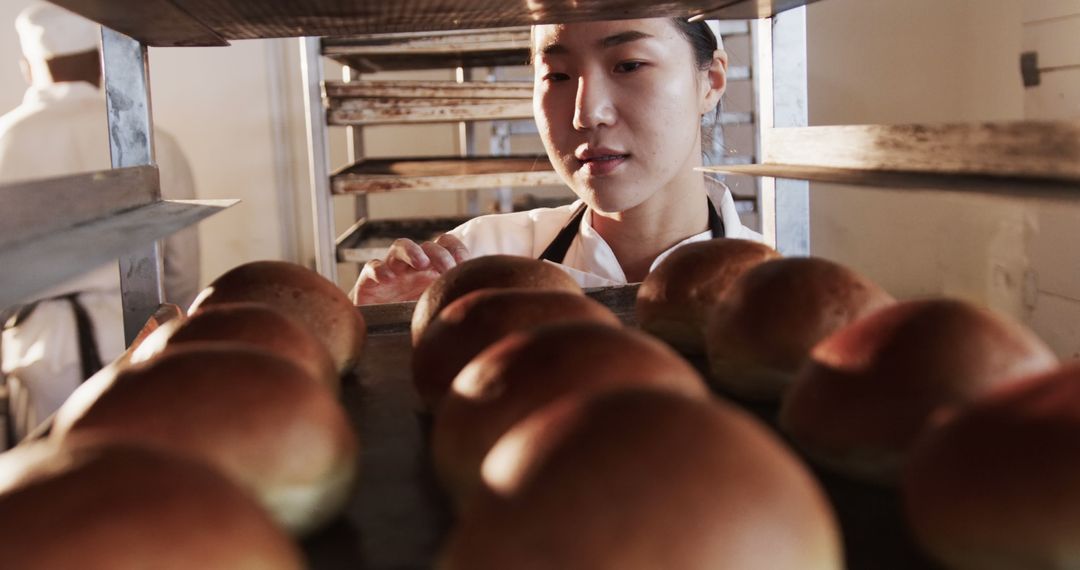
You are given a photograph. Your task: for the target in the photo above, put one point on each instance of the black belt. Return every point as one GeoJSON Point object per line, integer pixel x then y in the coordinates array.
{"type": "Point", "coordinates": [89, 356]}
{"type": "Point", "coordinates": [555, 252]}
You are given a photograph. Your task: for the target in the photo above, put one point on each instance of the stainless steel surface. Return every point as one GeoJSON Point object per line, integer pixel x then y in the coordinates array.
{"type": "Point", "coordinates": [50, 259]}
{"type": "Point", "coordinates": [780, 48]}
{"type": "Point", "coordinates": [185, 22]}
{"type": "Point", "coordinates": [30, 208]}
{"type": "Point", "coordinates": [790, 110]}
{"type": "Point", "coordinates": [288, 219]}
{"type": "Point", "coordinates": [131, 142]}
{"type": "Point", "coordinates": [322, 206]}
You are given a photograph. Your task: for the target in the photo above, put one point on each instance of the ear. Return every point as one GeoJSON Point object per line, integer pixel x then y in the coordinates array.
{"type": "Point", "coordinates": [715, 81]}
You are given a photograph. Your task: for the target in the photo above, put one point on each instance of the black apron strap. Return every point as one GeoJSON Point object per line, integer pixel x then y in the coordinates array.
{"type": "Point", "coordinates": [89, 357]}
{"type": "Point", "coordinates": [556, 250]}
{"type": "Point", "coordinates": [716, 223]}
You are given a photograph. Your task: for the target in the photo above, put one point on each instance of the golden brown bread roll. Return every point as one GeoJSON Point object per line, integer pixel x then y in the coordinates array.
{"type": "Point", "coordinates": [487, 272]}
{"type": "Point", "coordinates": [996, 487]}
{"type": "Point", "coordinates": [300, 293]}
{"type": "Point", "coordinates": [249, 323]}
{"type": "Point", "coordinates": [474, 321]}
{"type": "Point", "coordinates": [674, 300]}
{"type": "Point", "coordinates": [872, 387]}
{"type": "Point", "coordinates": [258, 417]}
{"type": "Point", "coordinates": [644, 479]}
{"type": "Point", "coordinates": [762, 331]}
{"type": "Point", "coordinates": [119, 507]}
{"type": "Point", "coordinates": [527, 371]}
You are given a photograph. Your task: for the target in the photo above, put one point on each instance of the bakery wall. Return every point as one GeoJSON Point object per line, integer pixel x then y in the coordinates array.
{"type": "Point", "coordinates": [932, 61]}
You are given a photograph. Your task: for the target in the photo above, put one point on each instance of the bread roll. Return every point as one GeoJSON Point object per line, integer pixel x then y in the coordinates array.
{"type": "Point", "coordinates": [872, 387]}
{"type": "Point", "coordinates": [644, 479]}
{"type": "Point", "coordinates": [487, 272]}
{"type": "Point", "coordinates": [257, 416]}
{"type": "Point", "coordinates": [300, 293]}
{"type": "Point", "coordinates": [474, 321]}
{"type": "Point", "coordinates": [249, 323]}
{"type": "Point", "coordinates": [675, 299]}
{"type": "Point", "coordinates": [120, 507]}
{"type": "Point", "coordinates": [762, 331]}
{"type": "Point", "coordinates": [525, 372]}
{"type": "Point", "coordinates": [996, 488]}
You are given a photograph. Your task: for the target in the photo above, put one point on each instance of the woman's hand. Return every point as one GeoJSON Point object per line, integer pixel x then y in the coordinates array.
{"type": "Point", "coordinates": [407, 270]}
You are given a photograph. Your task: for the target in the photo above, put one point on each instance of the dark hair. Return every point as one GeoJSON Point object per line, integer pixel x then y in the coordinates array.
{"type": "Point", "coordinates": [703, 44]}
{"type": "Point", "coordinates": [701, 38]}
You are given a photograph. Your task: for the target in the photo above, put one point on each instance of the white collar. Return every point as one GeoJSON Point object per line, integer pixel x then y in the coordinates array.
{"type": "Point", "coordinates": [592, 254]}
{"type": "Point", "coordinates": [53, 92]}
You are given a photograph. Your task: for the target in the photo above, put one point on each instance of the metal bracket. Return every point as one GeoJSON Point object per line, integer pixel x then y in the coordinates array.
{"type": "Point", "coordinates": [131, 142]}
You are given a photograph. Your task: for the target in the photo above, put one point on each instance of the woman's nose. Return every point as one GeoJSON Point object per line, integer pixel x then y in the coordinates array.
{"type": "Point", "coordinates": [593, 106]}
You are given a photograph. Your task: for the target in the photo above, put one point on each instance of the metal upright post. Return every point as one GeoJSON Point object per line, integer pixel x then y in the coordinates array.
{"type": "Point", "coordinates": [354, 141]}
{"type": "Point", "coordinates": [322, 206]}
{"type": "Point", "coordinates": [131, 142]}
{"type": "Point", "coordinates": [780, 78]}
{"type": "Point", "coordinates": [467, 146]}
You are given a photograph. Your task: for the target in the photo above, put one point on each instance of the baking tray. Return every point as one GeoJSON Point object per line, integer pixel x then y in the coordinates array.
{"type": "Point", "coordinates": [399, 517]}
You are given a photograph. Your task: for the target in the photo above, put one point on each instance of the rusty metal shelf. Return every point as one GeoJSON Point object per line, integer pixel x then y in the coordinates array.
{"type": "Point", "coordinates": [442, 50]}
{"type": "Point", "coordinates": [444, 173]}
{"type": "Point", "coordinates": [398, 102]}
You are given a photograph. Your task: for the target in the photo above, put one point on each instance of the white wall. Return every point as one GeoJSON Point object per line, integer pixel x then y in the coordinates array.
{"type": "Point", "coordinates": [947, 61]}
{"type": "Point", "coordinates": [918, 61]}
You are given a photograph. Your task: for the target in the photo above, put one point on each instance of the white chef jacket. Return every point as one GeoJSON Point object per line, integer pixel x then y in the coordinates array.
{"type": "Point", "coordinates": [61, 129]}
{"type": "Point", "coordinates": [590, 259]}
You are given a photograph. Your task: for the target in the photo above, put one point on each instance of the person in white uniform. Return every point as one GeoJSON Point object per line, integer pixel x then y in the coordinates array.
{"type": "Point", "coordinates": [61, 129]}
{"type": "Point", "coordinates": [619, 106]}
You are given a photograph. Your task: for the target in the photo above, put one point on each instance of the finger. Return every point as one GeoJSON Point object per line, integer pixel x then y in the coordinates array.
{"type": "Point", "coordinates": [407, 252]}
{"type": "Point", "coordinates": [441, 260]}
{"type": "Point", "coordinates": [455, 246]}
{"type": "Point", "coordinates": [380, 271]}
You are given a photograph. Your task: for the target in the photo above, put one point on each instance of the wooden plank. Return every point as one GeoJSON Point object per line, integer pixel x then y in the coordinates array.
{"type": "Point", "coordinates": [907, 180]}
{"type": "Point", "coordinates": [157, 23]}
{"type": "Point", "coordinates": [430, 89]}
{"type": "Point", "coordinates": [380, 111]}
{"type": "Point", "coordinates": [66, 253]}
{"type": "Point", "coordinates": [39, 207]}
{"type": "Point", "coordinates": [208, 22]}
{"type": "Point", "coordinates": [1040, 150]}
{"type": "Point", "coordinates": [441, 173]}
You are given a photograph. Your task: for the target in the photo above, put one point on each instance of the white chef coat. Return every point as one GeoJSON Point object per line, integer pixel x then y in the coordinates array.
{"type": "Point", "coordinates": [61, 129]}
{"type": "Point", "coordinates": [589, 259]}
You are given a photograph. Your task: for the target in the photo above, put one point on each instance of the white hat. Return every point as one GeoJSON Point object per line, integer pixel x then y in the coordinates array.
{"type": "Point", "coordinates": [47, 31]}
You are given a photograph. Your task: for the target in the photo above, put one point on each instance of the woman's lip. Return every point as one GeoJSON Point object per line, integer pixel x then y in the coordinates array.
{"type": "Point", "coordinates": [602, 164]}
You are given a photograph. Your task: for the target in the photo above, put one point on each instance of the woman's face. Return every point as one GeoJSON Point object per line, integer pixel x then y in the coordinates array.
{"type": "Point", "coordinates": [618, 105]}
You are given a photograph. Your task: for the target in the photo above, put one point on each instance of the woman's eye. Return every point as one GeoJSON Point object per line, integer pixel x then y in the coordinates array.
{"type": "Point", "coordinates": [554, 76]}
{"type": "Point", "coordinates": [628, 66]}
